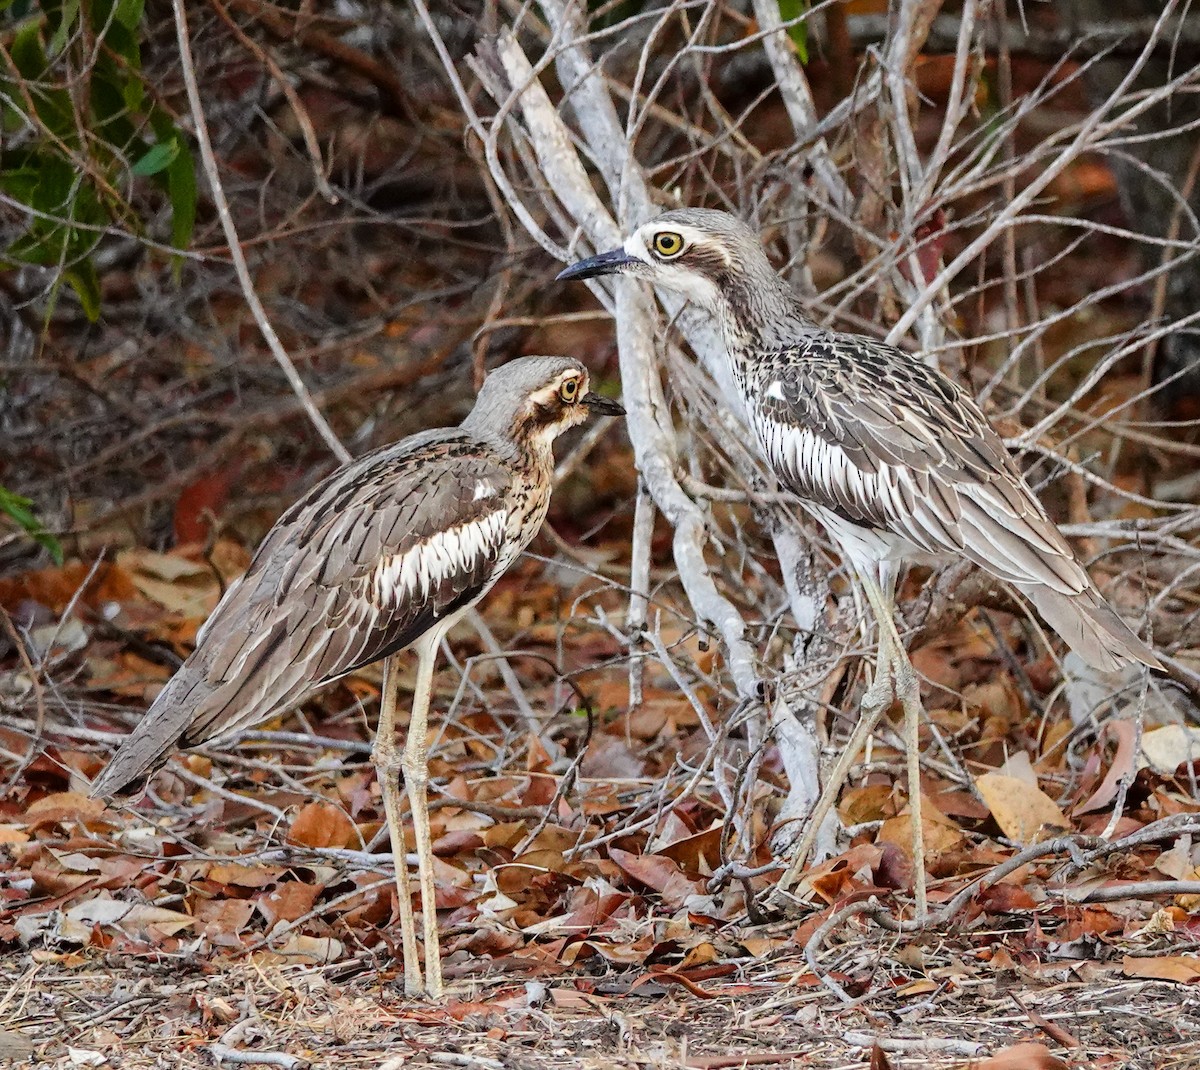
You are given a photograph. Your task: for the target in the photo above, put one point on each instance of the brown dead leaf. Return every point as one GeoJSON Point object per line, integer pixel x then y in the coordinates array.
{"type": "Point", "coordinates": [1024, 813]}
{"type": "Point", "coordinates": [221, 921]}
{"type": "Point", "coordinates": [871, 802]}
{"type": "Point", "coordinates": [1019, 766]}
{"type": "Point", "coordinates": [1122, 767]}
{"type": "Point", "coordinates": [56, 587]}
{"type": "Point", "coordinates": [240, 876]}
{"type": "Point", "coordinates": [1020, 1057]}
{"type": "Point", "coordinates": [145, 918]}
{"type": "Point", "coordinates": [700, 853]}
{"type": "Point", "coordinates": [200, 503]}
{"type": "Point", "coordinates": [321, 824]}
{"type": "Point", "coordinates": [837, 877]}
{"type": "Point", "coordinates": [298, 947]}
{"type": "Point", "coordinates": [63, 807]}
{"type": "Point", "coordinates": [1005, 898]}
{"type": "Point", "coordinates": [1177, 862]}
{"type": "Point", "coordinates": [1182, 969]}
{"type": "Point", "coordinates": [700, 954]}
{"type": "Point", "coordinates": [657, 872]}
{"type": "Point", "coordinates": [291, 900]}
{"type": "Point", "coordinates": [182, 586]}
{"type": "Point", "coordinates": [941, 834]}
{"type": "Point", "coordinates": [879, 1061]}
{"type": "Point", "coordinates": [51, 877]}
{"type": "Point", "coordinates": [1001, 703]}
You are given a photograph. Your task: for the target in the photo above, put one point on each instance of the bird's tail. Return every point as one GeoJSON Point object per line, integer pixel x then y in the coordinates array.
{"type": "Point", "coordinates": [1091, 628]}
{"type": "Point", "coordinates": [153, 740]}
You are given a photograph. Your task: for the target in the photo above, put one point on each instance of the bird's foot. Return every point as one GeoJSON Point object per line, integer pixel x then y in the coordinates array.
{"type": "Point", "coordinates": [414, 986]}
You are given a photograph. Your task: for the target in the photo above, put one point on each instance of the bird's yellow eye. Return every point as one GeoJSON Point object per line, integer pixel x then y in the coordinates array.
{"type": "Point", "coordinates": [569, 391]}
{"type": "Point", "coordinates": [667, 243]}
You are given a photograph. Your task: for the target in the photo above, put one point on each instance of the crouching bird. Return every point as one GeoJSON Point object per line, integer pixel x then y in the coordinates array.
{"type": "Point", "coordinates": [385, 554]}
{"type": "Point", "coordinates": [893, 458]}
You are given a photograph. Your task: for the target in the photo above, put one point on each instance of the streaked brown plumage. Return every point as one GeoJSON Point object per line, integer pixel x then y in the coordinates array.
{"type": "Point", "coordinates": [892, 456]}
{"type": "Point", "coordinates": [385, 553]}
{"type": "Point", "coordinates": [308, 611]}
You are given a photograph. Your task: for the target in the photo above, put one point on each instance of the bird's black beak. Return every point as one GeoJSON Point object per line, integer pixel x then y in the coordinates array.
{"type": "Point", "coordinates": [604, 264]}
{"type": "Point", "coordinates": [602, 406]}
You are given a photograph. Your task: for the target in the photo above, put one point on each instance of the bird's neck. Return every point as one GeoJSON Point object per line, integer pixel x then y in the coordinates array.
{"type": "Point", "coordinates": [760, 314]}
{"type": "Point", "coordinates": [531, 452]}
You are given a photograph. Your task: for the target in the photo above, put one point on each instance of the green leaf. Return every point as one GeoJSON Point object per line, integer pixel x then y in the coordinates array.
{"type": "Point", "coordinates": [798, 31]}
{"type": "Point", "coordinates": [20, 182]}
{"type": "Point", "coordinates": [82, 278]}
{"type": "Point", "coordinates": [129, 12]}
{"type": "Point", "coordinates": [133, 93]}
{"type": "Point", "coordinates": [20, 511]}
{"type": "Point", "coordinates": [57, 183]}
{"type": "Point", "coordinates": [53, 106]}
{"type": "Point", "coordinates": [116, 94]}
{"type": "Point", "coordinates": [159, 158]}
{"type": "Point", "coordinates": [66, 23]}
{"type": "Point", "coordinates": [181, 188]}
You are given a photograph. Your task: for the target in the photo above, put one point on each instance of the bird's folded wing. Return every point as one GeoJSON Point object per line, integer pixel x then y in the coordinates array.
{"type": "Point", "coordinates": [885, 442]}
{"type": "Point", "coordinates": [357, 569]}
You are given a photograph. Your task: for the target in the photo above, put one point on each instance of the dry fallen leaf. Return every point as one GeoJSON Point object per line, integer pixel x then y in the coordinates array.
{"type": "Point", "coordinates": [1024, 813]}
{"type": "Point", "coordinates": [1165, 749]}
{"type": "Point", "coordinates": [1121, 769]}
{"type": "Point", "coordinates": [1020, 1057]}
{"type": "Point", "coordinates": [1183, 969]}
{"type": "Point", "coordinates": [1177, 862]}
{"type": "Point", "coordinates": [1019, 766]}
{"type": "Point", "coordinates": [659, 873]}
{"type": "Point", "coordinates": [14, 1046]}
{"type": "Point", "coordinates": [288, 902]}
{"type": "Point", "coordinates": [310, 948]}
{"type": "Point", "coordinates": [321, 824]}
{"type": "Point", "coordinates": [941, 833]}
{"type": "Point", "coordinates": [186, 587]}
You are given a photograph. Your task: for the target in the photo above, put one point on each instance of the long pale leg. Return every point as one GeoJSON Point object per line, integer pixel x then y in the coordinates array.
{"type": "Point", "coordinates": [874, 702]}
{"type": "Point", "coordinates": [416, 779]}
{"type": "Point", "coordinates": [908, 691]}
{"type": "Point", "coordinates": [387, 769]}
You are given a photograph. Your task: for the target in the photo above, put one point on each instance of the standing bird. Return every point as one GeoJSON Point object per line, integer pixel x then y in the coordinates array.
{"type": "Point", "coordinates": [893, 457]}
{"type": "Point", "coordinates": [386, 553]}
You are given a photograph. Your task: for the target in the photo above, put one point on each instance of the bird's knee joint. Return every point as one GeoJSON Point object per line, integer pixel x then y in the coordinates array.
{"type": "Point", "coordinates": [907, 682]}
{"type": "Point", "coordinates": [415, 772]}
{"type": "Point", "coordinates": [387, 765]}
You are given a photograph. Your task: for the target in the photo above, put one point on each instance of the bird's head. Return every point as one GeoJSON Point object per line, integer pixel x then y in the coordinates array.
{"type": "Point", "coordinates": [710, 257]}
{"type": "Point", "coordinates": [535, 399]}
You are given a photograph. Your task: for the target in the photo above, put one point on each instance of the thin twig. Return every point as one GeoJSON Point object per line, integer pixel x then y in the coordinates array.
{"type": "Point", "coordinates": [212, 172]}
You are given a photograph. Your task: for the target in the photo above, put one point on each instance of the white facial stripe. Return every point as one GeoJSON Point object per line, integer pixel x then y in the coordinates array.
{"type": "Point", "coordinates": [635, 245]}
{"type": "Point", "coordinates": [417, 571]}
{"type": "Point", "coordinates": [638, 242]}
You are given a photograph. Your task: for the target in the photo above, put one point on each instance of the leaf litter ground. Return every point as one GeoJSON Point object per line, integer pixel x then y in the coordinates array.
{"type": "Point", "coordinates": [246, 905]}
{"type": "Point", "coordinates": [247, 902]}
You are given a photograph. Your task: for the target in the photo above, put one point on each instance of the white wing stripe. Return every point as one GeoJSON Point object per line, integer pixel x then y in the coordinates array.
{"type": "Point", "coordinates": [421, 567]}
